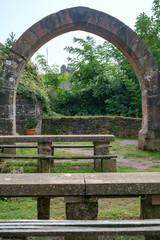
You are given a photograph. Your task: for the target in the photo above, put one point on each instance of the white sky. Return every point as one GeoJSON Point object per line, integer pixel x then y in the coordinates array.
{"type": "Point", "coordinates": [18, 15]}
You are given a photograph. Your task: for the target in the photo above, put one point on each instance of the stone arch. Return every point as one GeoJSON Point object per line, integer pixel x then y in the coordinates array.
{"type": "Point", "coordinates": [105, 26]}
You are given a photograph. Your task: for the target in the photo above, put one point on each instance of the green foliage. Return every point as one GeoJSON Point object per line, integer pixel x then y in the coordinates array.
{"type": "Point", "coordinates": [51, 75]}
{"type": "Point", "coordinates": [32, 86]}
{"type": "Point", "coordinates": [148, 28]}
{"type": "Point", "coordinates": [98, 84]}
{"type": "Point", "coordinates": [5, 48]}
{"type": "Point", "coordinates": [31, 122]}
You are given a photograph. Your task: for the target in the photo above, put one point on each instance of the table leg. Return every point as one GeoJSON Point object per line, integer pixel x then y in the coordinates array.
{"type": "Point", "coordinates": [43, 204]}
{"type": "Point", "coordinates": [103, 165]}
{"type": "Point", "coordinates": [150, 209]}
{"type": "Point", "coordinates": [80, 208]}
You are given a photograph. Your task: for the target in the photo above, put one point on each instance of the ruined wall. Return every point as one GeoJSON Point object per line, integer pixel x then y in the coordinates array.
{"type": "Point", "coordinates": [119, 126]}
{"type": "Point", "coordinates": [24, 108]}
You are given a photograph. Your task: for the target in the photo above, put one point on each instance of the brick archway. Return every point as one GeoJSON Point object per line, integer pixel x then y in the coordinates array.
{"type": "Point", "coordinates": [105, 26]}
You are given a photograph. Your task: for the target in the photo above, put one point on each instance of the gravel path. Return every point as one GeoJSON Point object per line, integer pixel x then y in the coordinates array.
{"type": "Point", "coordinates": [138, 163]}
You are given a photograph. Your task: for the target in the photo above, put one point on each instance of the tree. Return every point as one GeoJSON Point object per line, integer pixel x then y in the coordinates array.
{"type": "Point", "coordinates": [98, 81]}
{"type": "Point", "coordinates": [148, 28]}
{"type": "Point", "coordinates": [52, 79]}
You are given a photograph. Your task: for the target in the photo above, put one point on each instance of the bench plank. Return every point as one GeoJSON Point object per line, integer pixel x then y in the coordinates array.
{"type": "Point", "coordinates": [40, 185]}
{"type": "Point", "coordinates": [56, 138]}
{"type": "Point", "coordinates": [122, 183]}
{"type": "Point", "coordinates": [91, 184]}
{"type": "Point", "coordinates": [44, 156]}
{"type": "Point", "coordinates": [53, 146]}
{"type": "Point", "coordinates": [84, 223]}
{"type": "Point", "coordinates": [78, 227]}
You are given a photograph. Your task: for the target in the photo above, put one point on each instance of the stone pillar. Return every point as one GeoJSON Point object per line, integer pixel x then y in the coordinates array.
{"type": "Point", "coordinates": [12, 68]}
{"type": "Point", "coordinates": [7, 112]}
{"type": "Point", "coordinates": [150, 209]}
{"type": "Point", "coordinates": [43, 204]}
{"type": "Point", "coordinates": [102, 164]}
{"type": "Point", "coordinates": [109, 165]}
{"type": "Point", "coordinates": [149, 135]}
{"type": "Point", "coordinates": [80, 208]}
{"type": "Point", "coordinates": [44, 164]}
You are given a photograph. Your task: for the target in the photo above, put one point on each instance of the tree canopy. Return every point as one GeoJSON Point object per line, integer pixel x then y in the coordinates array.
{"type": "Point", "coordinates": [99, 86]}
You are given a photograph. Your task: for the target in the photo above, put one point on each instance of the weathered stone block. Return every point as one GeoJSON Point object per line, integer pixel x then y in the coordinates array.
{"type": "Point", "coordinates": [30, 37]}
{"type": "Point", "coordinates": [49, 23]}
{"type": "Point", "coordinates": [109, 165]}
{"type": "Point", "coordinates": [43, 208]}
{"type": "Point", "coordinates": [79, 16]}
{"type": "Point", "coordinates": [44, 164]}
{"type": "Point", "coordinates": [23, 48]}
{"type": "Point", "coordinates": [100, 149]}
{"type": "Point", "coordinates": [4, 111]}
{"type": "Point", "coordinates": [6, 98]}
{"type": "Point", "coordinates": [106, 184]}
{"type": "Point", "coordinates": [12, 70]}
{"type": "Point", "coordinates": [150, 211]}
{"type": "Point", "coordinates": [6, 127]}
{"type": "Point", "coordinates": [98, 165]}
{"type": "Point", "coordinates": [80, 208]}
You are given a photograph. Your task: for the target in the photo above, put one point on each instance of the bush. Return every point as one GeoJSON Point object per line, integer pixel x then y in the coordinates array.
{"type": "Point", "coordinates": [31, 122]}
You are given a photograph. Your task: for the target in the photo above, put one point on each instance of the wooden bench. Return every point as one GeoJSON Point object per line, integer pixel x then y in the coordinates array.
{"type": "Point", "coordinates": [88, 188]}
{"type": "Point", "coordinates": [74, 228]}
{"type": "Point", "coordinates": [107, 161]}
{"type": "Point", "coordinates": [54, 146]}
{"type": "Point", "coordinates": [45, 147]}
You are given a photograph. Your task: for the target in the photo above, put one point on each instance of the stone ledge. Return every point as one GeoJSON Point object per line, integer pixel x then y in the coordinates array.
{"type": "Point", "coordinates": [88, 184]}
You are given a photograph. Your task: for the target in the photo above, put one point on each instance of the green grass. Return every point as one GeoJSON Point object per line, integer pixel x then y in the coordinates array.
{"type": "Point", "coordinates": [73, 167]}
{"type": "Point", "coordinates": [18, 208]}
{"type": "Point", "coordinates": [62, 153]}
{"type": "Point", "coordinates": [26, 208]}
{"type": "Point", "coordinates": [150, 155]}
{"type": "Point", "coordinates": [27, 151]}
{"type": "Point", "coordinates": [127, 169]}
{"type": "Point", "coordinates": [119, 208]}
{"type": "Point", "coordinates": [131, 151]}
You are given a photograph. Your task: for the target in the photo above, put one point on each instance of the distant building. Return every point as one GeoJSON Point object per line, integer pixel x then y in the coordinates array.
{"type": "Point", "coordinates": [65, 69]}
{"type": "Point", "coordinates": [66, 84]}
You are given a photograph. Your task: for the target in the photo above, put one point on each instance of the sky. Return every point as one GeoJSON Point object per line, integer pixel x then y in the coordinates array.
{"type": "Point", "coordinates": [18, 15]}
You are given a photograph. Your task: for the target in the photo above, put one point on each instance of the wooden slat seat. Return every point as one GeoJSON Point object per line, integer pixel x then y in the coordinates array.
{"type": "Point", "coordinates": [53, 146]}
{"type": "Point", "coordinates": [43, 156]}
{"type": "Point", "coordinates": [26, 228]}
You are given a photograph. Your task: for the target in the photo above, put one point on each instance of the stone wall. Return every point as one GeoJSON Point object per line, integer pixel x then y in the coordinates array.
{"type": "Point", "coordinates": [119, 126]}
{"type": "Point", "coordinates": [24, 108]}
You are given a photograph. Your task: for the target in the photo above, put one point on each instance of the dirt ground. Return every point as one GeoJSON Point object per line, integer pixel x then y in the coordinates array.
{"type": "Point", "coordinates": [138, 163]}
